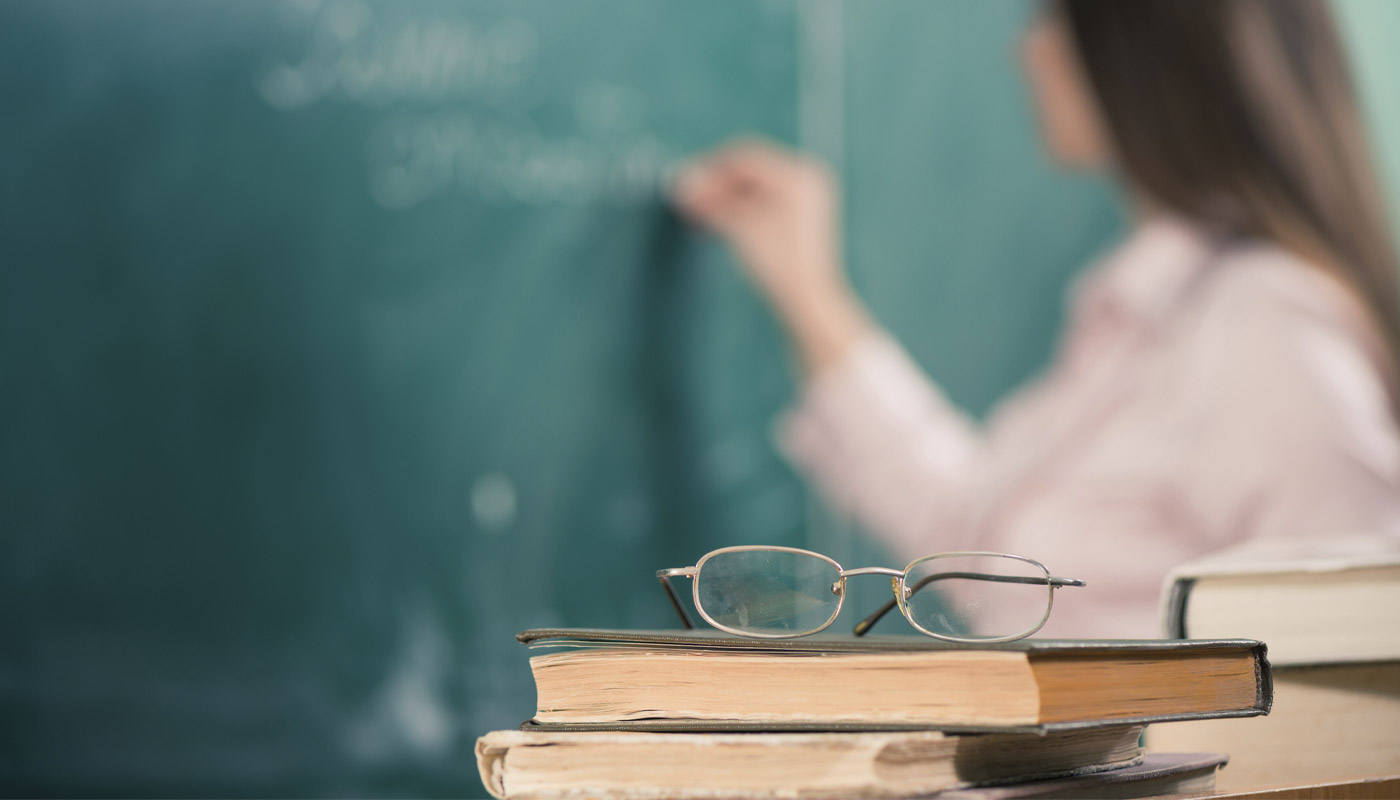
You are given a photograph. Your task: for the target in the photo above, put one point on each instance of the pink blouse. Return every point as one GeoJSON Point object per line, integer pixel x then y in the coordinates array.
{"type": "Point", "coordinates": [1202, 395]}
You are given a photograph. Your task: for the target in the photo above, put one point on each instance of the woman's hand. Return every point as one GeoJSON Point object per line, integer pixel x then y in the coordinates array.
{"type": "Point", "coordinates": [778, 210]}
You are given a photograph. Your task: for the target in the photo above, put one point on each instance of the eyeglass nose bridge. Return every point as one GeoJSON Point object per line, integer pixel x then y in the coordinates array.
{"type": "Point", "coordinates": [893, 573]}
{"type": "Point", "coordinates": [896, 575]}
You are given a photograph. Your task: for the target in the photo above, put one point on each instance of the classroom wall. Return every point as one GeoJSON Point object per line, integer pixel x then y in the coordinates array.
{"type": "Point", "coordinates": [1371, 27]}
{"type": "Point", "coordinates": [341, 340]}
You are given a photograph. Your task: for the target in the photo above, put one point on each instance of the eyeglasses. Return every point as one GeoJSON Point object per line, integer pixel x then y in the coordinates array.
{"type": "Point", "coordinates": [785, 592]}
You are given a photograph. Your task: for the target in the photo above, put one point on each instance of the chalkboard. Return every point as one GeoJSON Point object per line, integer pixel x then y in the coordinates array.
{"type": "Point", "coordinates": [963, 235]}
{"type": "Point", "coordinates": [342, 341]}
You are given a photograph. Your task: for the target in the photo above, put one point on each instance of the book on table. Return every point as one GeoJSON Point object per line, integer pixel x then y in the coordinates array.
{"type": "Point", "coordinates": [524, 764]}
{"type": "Point", "coordinates": [1314, 602]}
{"type": "Point", "coordinates": [706, 714]}
{"type": "Point", "coordinates": [699, 680]}
{"type": "Point", "coordinates": [1330, 613]}
{"type": "Point", "coordinates": [1156, 775]}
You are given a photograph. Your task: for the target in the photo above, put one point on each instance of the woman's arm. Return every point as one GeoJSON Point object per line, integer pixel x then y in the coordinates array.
{"type": "Point", "coordinates": [870, 429]}
{"type": "Point", "coordinates": [778, 210]}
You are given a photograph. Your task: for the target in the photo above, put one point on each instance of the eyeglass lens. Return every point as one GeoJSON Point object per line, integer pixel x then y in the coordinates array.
{"type": "Point", "coordinates": [977, 597]}
{"type": "Point", "coordinates": [768, 591]}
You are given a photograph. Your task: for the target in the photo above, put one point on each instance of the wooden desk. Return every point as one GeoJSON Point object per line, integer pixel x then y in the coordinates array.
{"type": "Point", "coordinates": [1367, 789]}
{"type": "Point", "coordinates": [1332, 724]}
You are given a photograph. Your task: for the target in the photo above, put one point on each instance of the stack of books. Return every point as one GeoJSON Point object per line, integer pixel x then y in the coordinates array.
{"type": "Point", "coordinates": [704, 714]}
{"type": "Point", "coordinates": [1330, 613]}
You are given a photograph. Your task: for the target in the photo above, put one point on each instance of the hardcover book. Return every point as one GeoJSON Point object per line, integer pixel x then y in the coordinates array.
{"type": "Point", "coordinates": [1330, 602]}
{"type": "Point", "coordinates": [702, 680]}
{"type": "Point", "coordinates": [522, 764]}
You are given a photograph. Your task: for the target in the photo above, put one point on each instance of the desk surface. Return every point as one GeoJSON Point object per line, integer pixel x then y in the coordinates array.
{"type": "Point", "coordinates": [1368, 789]}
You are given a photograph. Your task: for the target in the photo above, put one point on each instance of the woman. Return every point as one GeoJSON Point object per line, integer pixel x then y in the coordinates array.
{"type": "Point", "coordinates": [1228, 372]}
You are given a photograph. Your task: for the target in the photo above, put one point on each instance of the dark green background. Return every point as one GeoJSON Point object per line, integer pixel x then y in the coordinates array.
{"type": "Point", "coordinates": [339, 341]}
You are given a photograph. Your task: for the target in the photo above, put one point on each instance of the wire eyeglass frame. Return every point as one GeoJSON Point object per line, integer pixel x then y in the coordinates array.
{"type": "Point", "coordinates": [902, 592]}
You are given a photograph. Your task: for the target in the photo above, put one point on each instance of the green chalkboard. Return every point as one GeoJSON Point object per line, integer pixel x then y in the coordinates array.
{"type": "Point", "coordinates": [962, 234]}
{"type": "Point", "coordinates": [341, 341]}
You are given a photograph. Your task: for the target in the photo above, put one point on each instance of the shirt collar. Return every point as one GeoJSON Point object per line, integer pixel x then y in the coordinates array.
{"type": "Point", "coordinates": [1143, 278]}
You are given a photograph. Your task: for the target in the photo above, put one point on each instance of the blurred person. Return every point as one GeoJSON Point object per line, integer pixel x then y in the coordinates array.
{"type": "Point", "coordinates": [1228, 372]}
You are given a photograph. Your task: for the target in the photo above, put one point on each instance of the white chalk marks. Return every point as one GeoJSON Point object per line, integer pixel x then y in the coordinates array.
{"type": "Point", "coordinates": [506, 161]}
{"type": "Point", "coordinates": [494, 503]}
{"type": "Point", "coordinates": [459, 101]}
{"type": "Point", "coordinates": [354, 54]}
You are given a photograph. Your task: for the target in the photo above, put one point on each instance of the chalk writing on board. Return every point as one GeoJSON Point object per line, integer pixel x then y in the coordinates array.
{"type": "Point", "coordinates": [458, 110]}
{"type": "Point", "coordinates": [412, 157]}
{"type": "Point", "coordinates": [353, 54]}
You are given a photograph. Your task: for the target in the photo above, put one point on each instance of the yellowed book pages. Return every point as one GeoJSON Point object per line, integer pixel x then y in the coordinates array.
{"type": "Point", "coordinates": [999, 688]}
{"type": "Point", "coordinates": [524, 765]}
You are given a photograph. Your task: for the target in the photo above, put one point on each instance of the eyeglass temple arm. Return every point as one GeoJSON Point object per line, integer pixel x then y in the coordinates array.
{"type": "Point", "coordinates": [863, 627]}
{"type": "Point", "coordinates": [665, 576]}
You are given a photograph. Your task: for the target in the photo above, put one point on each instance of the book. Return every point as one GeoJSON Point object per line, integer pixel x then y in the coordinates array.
{"type": "Point", "coordinates": [1158, 774]}
{"type": "Point", "coordinates": [1313, 602]}
{"type": "Point", "coordinates": [1329, 723]}
{"type": "Point", "coordinates": [529, 764]}
{"type": "Point", "coordinates": [702, 680]}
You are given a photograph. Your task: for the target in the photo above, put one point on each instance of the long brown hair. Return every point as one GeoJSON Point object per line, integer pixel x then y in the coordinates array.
{"type": "Point", "coordinates": [1241, 114]}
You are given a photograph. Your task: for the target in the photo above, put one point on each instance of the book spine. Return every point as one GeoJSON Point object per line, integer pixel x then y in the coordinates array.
{"type": "Point", "coordinates": [1176, 607]}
